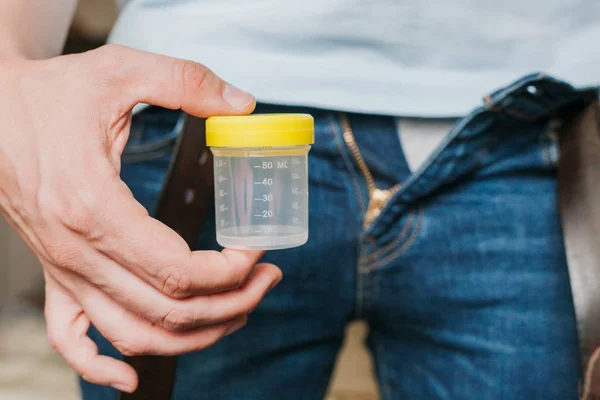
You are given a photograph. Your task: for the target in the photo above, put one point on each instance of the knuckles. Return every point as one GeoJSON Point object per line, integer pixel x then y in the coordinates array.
{"type": "Point", "coordinates": [178, 282]}
{"type": "Point", "coordinates": [192, 75]}
{"type": "Point", "coordinates": [175, 282]}
{"type": "Point", "coordinates": [64, 256]}
{"type": "Point", "coordinates": [131, 348]}
{"type": "Point", "coordinates": [179, 320]}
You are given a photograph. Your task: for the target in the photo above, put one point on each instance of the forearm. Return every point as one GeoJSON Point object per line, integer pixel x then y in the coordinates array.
{"type": "Point", "coordinates": [34, 29]}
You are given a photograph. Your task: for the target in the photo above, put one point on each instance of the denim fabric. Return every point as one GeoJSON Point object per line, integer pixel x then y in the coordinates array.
{"type": "Point", "coordinates": [462, 278]}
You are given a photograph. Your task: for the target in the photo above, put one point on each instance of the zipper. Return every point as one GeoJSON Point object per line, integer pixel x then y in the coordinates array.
{"type": "Point", "coordinates": [378, 198]}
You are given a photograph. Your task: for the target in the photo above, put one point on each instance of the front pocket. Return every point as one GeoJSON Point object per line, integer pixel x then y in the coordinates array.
{"type": "Point", "coordinates": [154, 132]}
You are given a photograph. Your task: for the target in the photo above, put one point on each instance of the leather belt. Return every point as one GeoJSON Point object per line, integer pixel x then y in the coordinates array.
{"type": "Point", "coordinates": [579, 194]}
{"type": "Point", "coordinates": [186, 198]}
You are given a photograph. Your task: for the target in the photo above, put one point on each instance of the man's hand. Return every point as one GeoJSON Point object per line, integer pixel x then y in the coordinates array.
{"type": "Point", "coordinates": [106, 261]}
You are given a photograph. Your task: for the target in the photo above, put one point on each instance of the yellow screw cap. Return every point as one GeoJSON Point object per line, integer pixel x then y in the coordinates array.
{"type": "Point", "coordinates": [260, 130]}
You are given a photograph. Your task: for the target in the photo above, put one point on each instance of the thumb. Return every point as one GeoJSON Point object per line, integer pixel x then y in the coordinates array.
{"type": "Point", "coordinates": [174, 83]}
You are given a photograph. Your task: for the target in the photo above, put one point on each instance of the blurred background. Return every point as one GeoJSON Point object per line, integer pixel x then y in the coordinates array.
{"type": "Point", "coordinates": [29, 369]}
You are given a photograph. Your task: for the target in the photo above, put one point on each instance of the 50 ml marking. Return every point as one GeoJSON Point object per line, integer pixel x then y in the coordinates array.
{"type": "Point", "coordinates": [269, 165]}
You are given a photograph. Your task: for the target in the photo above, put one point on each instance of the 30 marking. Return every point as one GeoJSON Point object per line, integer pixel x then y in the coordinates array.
{"type": "Point", "coordinates": [265, 198]}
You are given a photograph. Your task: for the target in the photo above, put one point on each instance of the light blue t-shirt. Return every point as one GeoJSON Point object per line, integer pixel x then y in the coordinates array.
{"type": "Point", "coordinates": [398, 57]}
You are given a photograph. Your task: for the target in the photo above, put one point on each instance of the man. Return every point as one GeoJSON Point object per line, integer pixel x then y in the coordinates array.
{"type": "Point", "coordinates": [433, 215]}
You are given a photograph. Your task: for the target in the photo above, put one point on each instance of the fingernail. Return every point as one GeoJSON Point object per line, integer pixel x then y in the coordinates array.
{"type": "Point", "coordinates": [237, 98]}
{"type": "Point", "coordinates": [121, 387]}
{"type": "Point", "coordinates": [235, 327]}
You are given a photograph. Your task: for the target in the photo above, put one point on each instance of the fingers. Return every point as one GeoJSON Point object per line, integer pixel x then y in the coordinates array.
{"type": "Point", "coordinates": [159, 256]}
{"type": "Point", "coordinates": [145, 301]}
{"type": "Point", "coordinates": [67, 328]}
{"type": "Point", "coordinates": [132, 335]}
{"type": "Point", "coordinates": [174, 83]}
{"type": "Point", "coordinates": [226, 270]}
{"type": "Point", "coordinates": [116, 225]}
{"type": "Point", "coordinates": [68, 319]}
{"type": "Point", "coordinates": [203, 310]}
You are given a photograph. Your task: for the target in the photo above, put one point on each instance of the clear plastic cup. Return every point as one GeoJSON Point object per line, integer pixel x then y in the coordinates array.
{"type": "Point", "coordinates": [261, 179]}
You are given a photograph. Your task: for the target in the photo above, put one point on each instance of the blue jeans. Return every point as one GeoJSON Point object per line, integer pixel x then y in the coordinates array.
{"type": "Point", "coordinates": [462, 278]}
